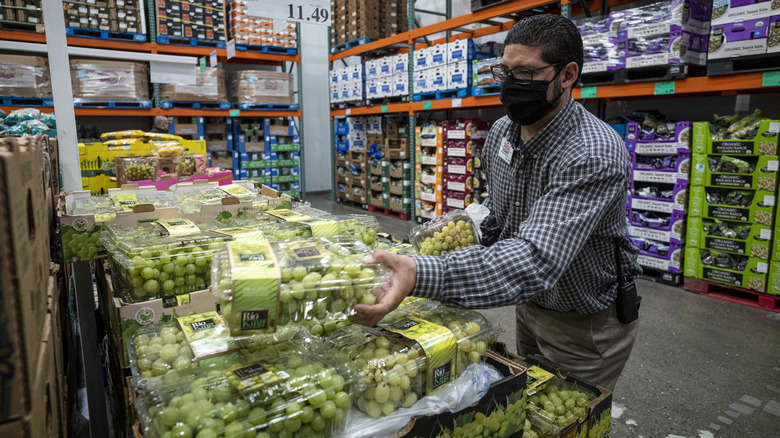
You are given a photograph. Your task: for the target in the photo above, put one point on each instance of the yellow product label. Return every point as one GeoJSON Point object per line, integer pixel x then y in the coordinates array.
{"type": "Point", "coordinates": [287, 215]}
{"type": "Point", "coordinates": [176, 227]}
{"type": "Point", "coordinates": [537, 377]}
{"type": "Point", "coordinates": [320, 227]}
{"type": "Point", "coordinates": [236, 190]}
{"type": "Point", "coordinates": [438, 343]}
{"type": "Point", "coordinates": [250, 378]}
{"type": "Point", "coordinates": [125, 201]}
{"type": "Point", "coordinates": [206, 335]}
{"type": "Point", "coordinates": [118, 135]}
{"type": "Point", "coordinates": [241, 232]}
{"type": "Point", "coordinates": [255, 273]}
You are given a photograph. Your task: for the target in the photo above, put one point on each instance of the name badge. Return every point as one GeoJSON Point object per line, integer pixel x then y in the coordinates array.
{"type": "Point", "coordinates": [505, 151]}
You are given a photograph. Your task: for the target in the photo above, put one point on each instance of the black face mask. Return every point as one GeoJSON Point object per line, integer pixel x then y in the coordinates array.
{"type": "Point", "coordinates": [527, 104]}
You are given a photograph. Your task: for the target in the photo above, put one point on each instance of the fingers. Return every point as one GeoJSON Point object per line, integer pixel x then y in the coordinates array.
{"type": "Point", "coordinates": [370, 315]}
{"type": "Point", "coordinates": [380, 256]}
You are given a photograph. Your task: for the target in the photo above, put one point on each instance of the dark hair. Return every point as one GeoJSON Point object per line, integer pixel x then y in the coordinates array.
{"type": "Point", "coordinates": [558, 37]}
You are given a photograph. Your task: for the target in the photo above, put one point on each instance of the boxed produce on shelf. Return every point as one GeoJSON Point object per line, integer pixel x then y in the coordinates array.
{"type": "Point", "coordinates": [128, 80]}
{"type": "Point", "coordinates": [729, 11]}
{"type": "Point", "coordinates": [662, 198]}
{"type": "Point", "coordinates": [261, 286]}
{"type": "Point", "coordinates": [720, 267]}
{"type": "Point", "coordinates": [450, 232]}
{"type": "Point", "coordinates": [734, 237]}
{"type": "Point", "coordinates": [209, 86]}
{"type": "Point", "coordinates": [754, 206]}
{"type": "Point", "coordinates": [673, 224]}
{"type": "Point", "coordinates": [734, 135]}
{"type": "Point", "coordinates": [773, 286]}
{"type": "Point", "coordinates": [659, 255]}
{"type": "Point", "coordinates": [635, 231]}
{"type": "Point", "coordinates": [194, 19]}
{"type": "Point", "coordinates": [665, 139]}
{"type": "Point", "coordinates": [254, 30]}
{"type": "Point", "coordinates": [742, 172]}
{"type": "Point", "coordinates": [744, 37]}
{"type": "Point", "coordinates": [24, 76]}
{"type": "Point", "coordinates": [661, 169]}
{"type": "Point", "coordinates": [259, 86]}
{"type": "Point", "coordinates": [251, 395]}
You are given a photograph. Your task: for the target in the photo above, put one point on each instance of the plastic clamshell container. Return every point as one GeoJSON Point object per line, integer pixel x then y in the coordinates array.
{"type": "Point", "coordinates": [291, 389]}
{"type": "Point", "coordinates": [158, 349]}
{"type": "Point", "coordinates": [424, 237]}
{"type": "Point", "coordinates": [360, 226]}
{"type": "Point", "coordinates": [554, 405]}
{"type": "Point", "coordinates": [129, 169]}
{"type": "Point", "coordinates": [100, 206]}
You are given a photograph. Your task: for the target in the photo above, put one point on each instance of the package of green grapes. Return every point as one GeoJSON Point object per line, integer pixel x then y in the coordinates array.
{"type": "Point", "coordinates": [243, 218]}
{"type": "Point", "coordinates": [473, 332]}
{"type": "Point", "coordinates": [102, 207]}
{"type": "Point", "coordinates": [402, 249]}
{"type": "Point", "coordinates": [278, 231]}
{"type": "Point", "coordinates": [149, 268]}
{"type": "Point", "coordinates": [360, 226]}
{"type": "Point", "coordinates": [80, 238]}
{"type": "Point", "coordinates": [391, 368]}
{"type": "Point", "coordinates": [448, 233]}
{"type": "Point", "coordinates": [132, 168]}
{"type": "Point", "coordinates": [555, 404]}
{"type": "Point", "coordinates": [246, 281]}
{"type": "Point", "coordinates": [324, 276]}
{"type": "Point", "coordinates": [158, 349]}
{"type": "Point", "coordinates": [295, 389]}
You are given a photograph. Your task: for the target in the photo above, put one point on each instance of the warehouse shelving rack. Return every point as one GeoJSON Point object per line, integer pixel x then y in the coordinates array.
{"type": "Point", "coordinates": [511, 11]}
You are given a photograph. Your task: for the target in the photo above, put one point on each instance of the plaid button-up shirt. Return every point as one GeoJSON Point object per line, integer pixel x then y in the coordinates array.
{"type": "Point", "coordinates": [557, 210]}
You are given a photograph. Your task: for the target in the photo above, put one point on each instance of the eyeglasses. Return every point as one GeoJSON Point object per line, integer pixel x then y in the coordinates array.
{"type": "Point", "coordinates": [521, 75]}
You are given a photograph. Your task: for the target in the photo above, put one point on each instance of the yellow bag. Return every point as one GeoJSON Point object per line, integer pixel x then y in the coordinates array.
{"type": "Point", "coordinates": [118, 135]}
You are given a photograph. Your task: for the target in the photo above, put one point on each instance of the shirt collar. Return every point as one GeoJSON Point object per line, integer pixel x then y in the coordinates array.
{"type": "Point", "coordinates": [541, 138]}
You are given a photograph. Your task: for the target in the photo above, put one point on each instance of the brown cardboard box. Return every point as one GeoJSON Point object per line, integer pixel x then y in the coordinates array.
{"type": "Point", "coordinates": [24, 76]}
{"type": "Point", "coordinates": [397, 148]}
{"type": "Point", "coordinates": [109, 80]}
{"type": "Point", "coordinates": [260, 86]}
{"type": "Point", "coordinates": [208, 87]}
{"type": "Point", "coordinates": [24, 273]}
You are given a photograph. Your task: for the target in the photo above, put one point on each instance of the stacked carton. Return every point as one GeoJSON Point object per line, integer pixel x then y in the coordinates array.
{"type": "Point", "coordinates": [282, 157]}
{"type": "Point", "coordinates": [252, 30]}
{"type": "Point", "coordinates": [744, 28]}
{"type": "Point", "coordinates": [387, 77]}
{"type": "Point", "coordinates": [108, 15]}
{"type": "Point", "coordinates": [202, 20]}
{"type": "Point", "coordinates": [347, 84]}
{"type": "Point", "coordinates": [658, 199]}
{"type": "Point", "coordinates": [354, 19]}
{"type": "Point", "coordinates": [449, 66]}
{"type": "Point", "coordinates": [352, 167]}
{"type": "Point", "coordinates": [33, 389]}
{"type": "Point", "coordinates": [463, 141]}
{"type": "Point", "coordinates": [732, 207]}
{"type": "Point", "coordinates": [429, 171]}
{"type": "Point", "coordinates": [24, 76]}
{"type": "Point", "coordinates": [22, 14]}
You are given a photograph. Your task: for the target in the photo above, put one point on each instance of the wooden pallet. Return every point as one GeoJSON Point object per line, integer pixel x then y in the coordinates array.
{"type": "Point", "coordinates": [663, 277]}
{"type": "Point", "coordinates": [350, 203]}
{"type": "Point", "coordinates": [388, 212]}
{"type": "Point", "coordinates": [733, 294]}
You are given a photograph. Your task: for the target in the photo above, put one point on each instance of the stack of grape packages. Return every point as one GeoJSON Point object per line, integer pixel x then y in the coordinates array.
{"type": "Point", "coordinates": [463, 141]}
{"type": "Point", "coordinates": [731, 223]}
{"type": "Point", "coordinates": [657, 202]}
{"type": "Point", "coordinates": [448, 233]}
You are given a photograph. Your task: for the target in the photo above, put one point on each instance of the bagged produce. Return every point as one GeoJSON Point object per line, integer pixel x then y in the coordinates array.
{"type": "Point", "coordinates": [261, 285]}
{"type": "Point", "coordinates": [359, 226]}
{"type": "Point", "coordinates": [447, 233]}
{"type": "Point", "coordinates": [119, 135]}
{"type": "Point", "coordinates": [21, 115]}
{"type": "Point", "coordinates": [293, 389]}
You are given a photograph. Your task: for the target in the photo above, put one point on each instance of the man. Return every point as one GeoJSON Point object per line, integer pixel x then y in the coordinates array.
{"type": "Point", "coordinates": [160, 125]}
{"type": "Point", "coordinates": [558, 179]}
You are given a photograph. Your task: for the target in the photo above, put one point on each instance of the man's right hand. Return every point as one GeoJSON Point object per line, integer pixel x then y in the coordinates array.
{"type": "Point", "coordinates": [403, 271]}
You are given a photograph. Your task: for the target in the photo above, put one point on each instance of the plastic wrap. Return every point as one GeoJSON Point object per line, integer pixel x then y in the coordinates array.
{"type": "Point", "coordinates": [447, 233]}
{"type": "Point", "coordinates": [158, 349]}
{"type": "Point", "coordinates": [100, 206]}
{"type": "Point", "coordinates": [293, 389]}
{"type": "Point", "coordinates": [21, 115]}
{"type": "Point", "coordinates": [186, 166]}
{"type": "Point", "coordinates": [120, 135]}
{"type": "Point", "coordinates": [554, 405]}
{"type": "Point", "coordinates": [278, 231]}
{"type": "Point", "coordinates": [244, 218]}
{"type": "Point", "coordinates": [24, 76]}
{"type": "Point", "coordinates": [192, 199]}
{"type": "Point", "coordinates": [129, 169]}
{"type": "Point", "coordinates": [110, 80]}
{"type": "Point", "coordinates": [260, 86]}
{"type": "Point", "coordinates": [359, 226]}
{"type": "Point", "coordinates": [146, 269]}
{"type": "Point", "coordinates": [209, 86]}
{"type": "Point", "coordinates": [261, 286]}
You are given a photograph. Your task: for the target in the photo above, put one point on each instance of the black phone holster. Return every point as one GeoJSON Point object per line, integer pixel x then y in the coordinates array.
{"type": "Point", "coordinates": [627, 301]}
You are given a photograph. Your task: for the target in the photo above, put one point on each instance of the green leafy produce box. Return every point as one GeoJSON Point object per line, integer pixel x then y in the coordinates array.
{"type": "Point", "coordinates": [764, 143]}
{"type": "Point", "coordinates": [286, 163]}
{"type": "Point", "coordinates": [292, 193]}
{"type": "Point", "coordinates": [732, 204]}
{"type": "Point", "coordinates": [254, 164]}
{"type": "Point", "coordinates": [285, 147]}
{"type": "Point", "coordinates": [733, 237]}
{"type": "Point", "coordinates": [701, 263]}
{"type": "Point", "coordinates": [727, 171]}
{"type": "Point", "coordinates": [774, 279]}
{"type": "Point", "coordinates": [491, 416]}
{"type": "Point", "coordinates": [285, 178]}
{"type": "Point", "coordinates": [541, 374]}
{"type": "Point", "coordinates": [261, 179]}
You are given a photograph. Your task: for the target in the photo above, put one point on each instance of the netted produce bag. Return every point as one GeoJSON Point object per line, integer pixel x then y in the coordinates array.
{"type": "Point", "coordinates": [294, 389]}
{"type": "Point", "coordinates": [129, 169]}
{"type": "Point", "coordinates": [146, 269]}
{"type": "Point", "coordinates": [262, 286]}
{"type": "Point", "coordinates": [448, 233]}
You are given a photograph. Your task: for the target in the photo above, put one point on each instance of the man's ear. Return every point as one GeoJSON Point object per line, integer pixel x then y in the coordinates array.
{"type": "Point", "coordinates": [569, 75]}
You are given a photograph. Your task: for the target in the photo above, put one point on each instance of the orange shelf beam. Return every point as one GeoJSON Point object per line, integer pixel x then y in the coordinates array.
{"type": "Point", "coordinates": [367, 110]}
{"type": "Point", "coordinates": [150, 112]}
{"type": "Point", "coordinates": [116, 112]}
{"type": "Point", "coordinates": [401, 38]}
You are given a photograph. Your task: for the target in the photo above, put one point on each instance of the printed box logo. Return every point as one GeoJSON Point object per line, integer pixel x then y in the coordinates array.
{"type": "Point", "coordinates": [254, 319]}
{"type": "Point", "coordinates": [202, 325]}
{"type": "Point", "coordinates": [442, 375]}
{"type": "Point", "coordinates": [404, 324]}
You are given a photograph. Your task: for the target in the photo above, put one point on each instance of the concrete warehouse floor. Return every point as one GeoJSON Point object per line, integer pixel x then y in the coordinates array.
{"type": "Point", "coordinates": [700, 368]}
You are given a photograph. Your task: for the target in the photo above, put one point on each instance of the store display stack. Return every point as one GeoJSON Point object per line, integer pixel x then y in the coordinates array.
{"type": "Point", "coordinates": [657, 202]}
{"type": "Point", "coordinates": [21, 15]}
{"type": "Point", "coordinates": [352, 168]}
{"type": "Point", "coordinates": [261, 89]}
{"type": "Point", "coordinates": [448, 67]}
{"type": "Point", "coordinates": [387, 77]}
{"type": "Point", "coordinates": [369, 19]}
{"type": "Point", "coordinates": [463, 141]}
{"type": "Point", "coordinates": [219, 139]}
{"type": "Point", "coordinates": [399, 169]}
{"type": "Point", "coordinates": [121, 19]}
{"type": "Point", "coordinates": [282, 157]}
{"type": "Point", "coordinates": [732, 201]}
{"type": "Point", "coordinates": [207, 92]}
{"type": "Point", "coordinates": [251, 31]}
{"type": "Point", "coordinates": [25, 80]}
{"type": "Point", "coordinates": [378, 171]}
{"type": "Point", "coordinates": [742, 29]}
{"type": "Point", "coordinates": [249, 135]}
{"type": "Point", "coordinates": [191, 23]}
{"type": "Point", "coordinates": [347, 84]}
{"type": "Point", "coordinates": [129, 84]}
{"type": "Point", "coordinates": [35, 388]}
{"type": "Point", "coordinates": [429, 171]}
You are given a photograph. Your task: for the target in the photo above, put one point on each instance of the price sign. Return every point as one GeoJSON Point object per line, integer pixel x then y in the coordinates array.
{"type": "Point", "coordinates": [588, 92]}
{"type": "Point", "coordinates": [235, 113]}
{"type": "Point", "coordinates": [770, 79]}
{"type": "Point", "coordinates": [303, 11]}
{"type": "Point", "coordinates": [426, 105]}
{"type": "Point", "coordinates": [384, 108]}
{"type": "Point", "coordinates": [662, 88]}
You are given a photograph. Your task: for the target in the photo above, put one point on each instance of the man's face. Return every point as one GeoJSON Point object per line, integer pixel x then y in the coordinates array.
{"type": "Point", "coordinates": [525, 57]}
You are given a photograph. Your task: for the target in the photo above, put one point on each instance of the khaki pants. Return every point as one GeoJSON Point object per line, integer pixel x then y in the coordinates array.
{"type": "Point", "coordinates": [594, 347]}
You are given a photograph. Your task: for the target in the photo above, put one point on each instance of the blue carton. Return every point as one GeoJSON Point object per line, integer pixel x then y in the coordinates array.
{"type": "Point", "coordinates": [270, 156]}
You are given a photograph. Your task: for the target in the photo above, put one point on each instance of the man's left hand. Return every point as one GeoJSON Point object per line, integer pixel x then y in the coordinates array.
{"type": "Point", "coordinates": [403, 271]}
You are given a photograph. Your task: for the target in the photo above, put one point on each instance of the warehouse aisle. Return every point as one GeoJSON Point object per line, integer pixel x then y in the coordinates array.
{"type": "Point", "coordinates": [701, 367]}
